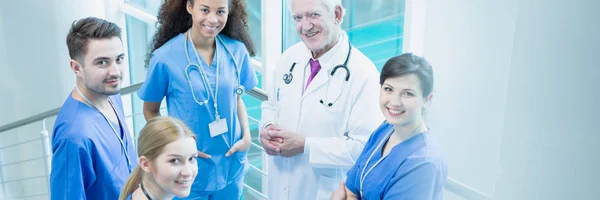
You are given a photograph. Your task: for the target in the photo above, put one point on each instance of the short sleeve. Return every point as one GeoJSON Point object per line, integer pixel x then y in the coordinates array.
{"type": "Point", "coordinates": [353, 179]}
{"type": "Point", "coordinates": [424, 181]}
{"type": "Point", "coordinates": [155, 88]}
{"type": "Point", "coordinates": [247, 74]}
{"type": "Point", "coordinates": [72, 171]}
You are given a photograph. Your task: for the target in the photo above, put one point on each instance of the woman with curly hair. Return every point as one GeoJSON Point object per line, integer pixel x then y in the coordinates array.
{"type": "Point", "coordinates": [200, 62]}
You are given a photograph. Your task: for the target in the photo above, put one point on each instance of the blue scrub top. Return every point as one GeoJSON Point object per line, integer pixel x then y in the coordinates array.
{"type": "Point", "coordinates": [414, 169]}
{"type": "Point", "coordinates": [166, 78]}
{"type": "Point", "coordinates": [88, 160]}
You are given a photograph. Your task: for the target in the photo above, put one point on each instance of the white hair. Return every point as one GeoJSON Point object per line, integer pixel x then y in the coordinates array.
{"type": "Point", "coordinates": [330, 4]}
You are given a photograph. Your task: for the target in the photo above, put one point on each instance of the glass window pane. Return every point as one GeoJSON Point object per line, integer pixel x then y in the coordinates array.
{"type": "Point", "coordinates": [374, 27]}
{"type": "Point", "coordinates": [150, 6]}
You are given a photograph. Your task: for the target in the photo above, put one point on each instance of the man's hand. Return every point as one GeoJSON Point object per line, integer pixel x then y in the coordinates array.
{"type": "Point", "coordinates": [291, 144]}
{"type": "Point", "coordinates": [268, 142]}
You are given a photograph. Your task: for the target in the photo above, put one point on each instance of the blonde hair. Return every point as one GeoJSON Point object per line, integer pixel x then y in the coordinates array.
{"type": "Point", "coordinates": [157, 133]}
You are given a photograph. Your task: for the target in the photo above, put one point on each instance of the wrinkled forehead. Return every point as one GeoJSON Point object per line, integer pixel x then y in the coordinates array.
{"type": "Point", "coordinates": [298, 7]}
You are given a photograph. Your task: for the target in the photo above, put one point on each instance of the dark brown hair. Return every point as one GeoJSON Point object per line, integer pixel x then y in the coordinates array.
{"type": "Point", "coordinates": [406, 64]}
{"type": "Point", "coordinates": [83, 30]}
{"type": "Point", "coordinates": [174, 19]}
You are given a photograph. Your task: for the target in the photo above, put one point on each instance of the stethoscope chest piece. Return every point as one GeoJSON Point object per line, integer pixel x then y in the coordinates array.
{"type": "Point", "coordinates": [239, 90]}
{"type": "Point", "coordinates": [287, 78]}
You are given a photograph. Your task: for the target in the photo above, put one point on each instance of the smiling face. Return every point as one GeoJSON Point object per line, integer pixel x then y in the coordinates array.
{"type": "Point", "coordinates": [401, 100]}
{"type": "Point", "coordinates": [208, 16]}
{"type": "Point", "coordinates": [316, 25]}
{"type": "Point", "coordinates": [175, 169]}
{"type": "Point", "coordinates": [100, 67]}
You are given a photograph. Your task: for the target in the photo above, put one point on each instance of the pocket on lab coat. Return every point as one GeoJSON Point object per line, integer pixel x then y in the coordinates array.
{"type": "Point", "coordinates": [326, 186]}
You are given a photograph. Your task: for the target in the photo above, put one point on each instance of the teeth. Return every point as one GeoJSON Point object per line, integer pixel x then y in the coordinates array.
{"type": "Point", "coordinates": [183, 182]}
{"type": "Point", "coordinates": [211, 28]}
{"type": "Point", "coordinates": [395, 112]}
{"type": "Point", "coordinates": [311, 34]}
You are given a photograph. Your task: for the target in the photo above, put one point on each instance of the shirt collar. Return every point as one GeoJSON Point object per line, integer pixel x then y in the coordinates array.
{"type": "Point", "coordinates": [336, 55]}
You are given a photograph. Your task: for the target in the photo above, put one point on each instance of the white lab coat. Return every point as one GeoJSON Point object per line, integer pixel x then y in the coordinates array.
{"type": "Point", "coordinates": [335, 136]}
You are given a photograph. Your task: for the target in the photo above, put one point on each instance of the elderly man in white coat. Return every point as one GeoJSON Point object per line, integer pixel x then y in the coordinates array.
{"type": "Point", "coordinates": [322, 107]}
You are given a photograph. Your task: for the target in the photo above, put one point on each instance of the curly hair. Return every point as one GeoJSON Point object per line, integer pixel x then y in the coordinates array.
{"type": "Point", "coordinates": [174, 19]}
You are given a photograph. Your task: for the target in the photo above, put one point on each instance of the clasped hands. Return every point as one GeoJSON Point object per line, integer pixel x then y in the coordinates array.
{"type": "Point", "coordinates": [278, 142]}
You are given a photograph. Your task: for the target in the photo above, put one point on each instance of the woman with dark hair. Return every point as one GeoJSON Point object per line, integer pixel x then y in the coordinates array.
{"type": "Point", "coordinates": [200, 61]}
{"type": "Point", "coordinates": [401, 160]}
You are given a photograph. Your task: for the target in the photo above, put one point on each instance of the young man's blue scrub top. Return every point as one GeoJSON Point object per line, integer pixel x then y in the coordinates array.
{"type": "Point", "coordinates": [89, 161]}
{"type": "Point", "coordinates": [167, 78]}
{"type": "Point", "coordinates": [413, 169]}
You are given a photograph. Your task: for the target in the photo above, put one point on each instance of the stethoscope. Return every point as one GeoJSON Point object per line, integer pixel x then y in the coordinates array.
{"type": "Point", "coordinates": [288, 77]}
{"type": "Point", "coordinates": [109, 124]}
{"type": "Point", "coordinates": [239, 89]}
{"type": "Point", "coordinates": [364, 175]}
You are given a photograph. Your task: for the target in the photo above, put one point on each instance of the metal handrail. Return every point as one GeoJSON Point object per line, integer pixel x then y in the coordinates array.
{"type": "Point", "coordinates": [451, 185]}
{"type": "Point", "coordinates": [39, 117]}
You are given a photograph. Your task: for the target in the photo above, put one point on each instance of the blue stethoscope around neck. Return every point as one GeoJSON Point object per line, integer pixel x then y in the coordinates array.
{"type": "Point", "coordinates": [239, 89]}
{"type": "Point", "coordinates": [288, 77]}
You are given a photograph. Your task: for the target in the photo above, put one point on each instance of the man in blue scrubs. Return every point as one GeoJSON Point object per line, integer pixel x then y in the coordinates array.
{"type": "Point", "coordinates": [93, 152]}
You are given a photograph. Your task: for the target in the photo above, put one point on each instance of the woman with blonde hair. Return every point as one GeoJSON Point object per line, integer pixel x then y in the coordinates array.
{"type": "Point", "coordinates": [167, 164]}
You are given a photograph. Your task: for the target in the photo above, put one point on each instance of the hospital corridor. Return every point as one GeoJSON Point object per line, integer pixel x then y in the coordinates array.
{"type": "Point", "coordinates": [299, 99]}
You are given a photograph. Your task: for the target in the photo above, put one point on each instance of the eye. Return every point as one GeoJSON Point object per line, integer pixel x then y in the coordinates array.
{"type": "Point", "coordinates": [204, 10]}
{"type": "Point", "coordinates": [315, 15]}
{"type": "Point", "coordinates": [192, 159]}
{"type": "Point", "coordinates": [220, 12]}
{"type": "Point", "coordinates": [175, 161]}
{"type": "Point", "coordinates": [102, 62]}
{"type": "Point", "coordinates": [297, 17]}
{"type": "Point", "coordinates": [120, 59]}
{"type": "Point", "coordinates": [408, 94]}
{"type": "Point", "coordinates": [387, 89]}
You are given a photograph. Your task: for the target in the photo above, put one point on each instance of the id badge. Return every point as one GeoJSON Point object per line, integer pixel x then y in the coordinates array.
{"type": "Point", "coordinates": [217, 127]}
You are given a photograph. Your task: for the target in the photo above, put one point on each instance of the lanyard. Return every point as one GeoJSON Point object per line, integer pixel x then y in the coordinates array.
{"type": "Point", "coordinates": [109, 124]}
{"type": "Point", "coordinates": [205, 78]}
{"type": "Point", "coordinates": [364, 175]}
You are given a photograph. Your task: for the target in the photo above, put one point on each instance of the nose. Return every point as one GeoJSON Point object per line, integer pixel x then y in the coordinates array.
{"type": "Point", "coordinates": [114, 70]}
{"type": "Point", "coordinates": [306, 25]}
{"type": "Point", "coordinates": [187, 169]}
{"type": "Point", "coordinates": [396, 101]}
{"type": "Point", "coordinates": [212, 18]}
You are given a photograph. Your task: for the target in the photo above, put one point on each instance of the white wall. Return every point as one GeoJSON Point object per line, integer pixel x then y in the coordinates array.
{"type": "Point", "coordinates": [36, 77]}
{"type": "Point", "coordinates": [469, 46]}
{"type": "Point", "coordinates": [550, 137]}
{"type": "Point", "coordinates": [515, 95]}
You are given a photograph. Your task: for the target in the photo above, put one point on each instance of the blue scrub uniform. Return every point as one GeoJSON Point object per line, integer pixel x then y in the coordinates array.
{"type": "Point", "coordinates": [88, 160]}
{"type": "Point", "coordinates": [414, 169]}
{"type": "Point", "coordinates": [219, 177]}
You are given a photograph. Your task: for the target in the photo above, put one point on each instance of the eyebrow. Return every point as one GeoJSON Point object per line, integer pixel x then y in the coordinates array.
{"type": "Point", "coordinates": [180, 156]}
{"type": "Point", "coordinates": [222, 7]}
{"type": "Point", "coordinates": [108, 58]}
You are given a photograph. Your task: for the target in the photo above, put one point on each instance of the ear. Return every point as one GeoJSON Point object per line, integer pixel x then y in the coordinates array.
{"type": "Point", "coordinates": [76, 67]}
{"type": "Point", "coordinates": [338, 14]}
{"type": "Point", "coordinates": [145, 164]}
{"type": "Point", "coordinates": [189, 7]}
{"type": "Point", "coordinates": [427, 100]}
